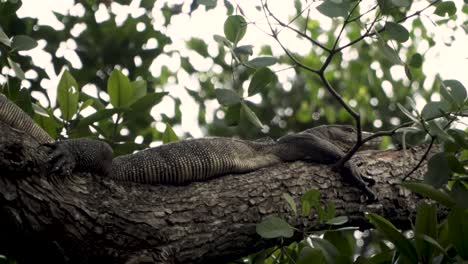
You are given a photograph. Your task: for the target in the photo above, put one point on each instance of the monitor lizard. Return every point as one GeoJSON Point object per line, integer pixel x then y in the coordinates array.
{"type": "Point", "coordinates": [186, 161]}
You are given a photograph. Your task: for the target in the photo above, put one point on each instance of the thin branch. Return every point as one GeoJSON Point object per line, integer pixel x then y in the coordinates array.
{"type": "Point", "coordinates": [424, 156]}
{"type": "Point", "coordinates": [281, 23]}
{"type": "Point", "coordinates": [368, 34]}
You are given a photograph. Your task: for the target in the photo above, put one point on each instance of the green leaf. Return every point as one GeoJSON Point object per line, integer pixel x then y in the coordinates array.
{"type": "Point", "coordinates": [86, 104]}
{"type": "Point", "coordinates": [4, 38]}
{"type": "Point", "coordinates": [458, 231]}
{"type": "Point", "coordinates": [459, 193]}
{"type": "Point", "coordinates": [273, 227]}
{"type": "Point", "coordinates": [261, 79]}
{"type": "Point", "coordinates": [390, 54]}
{"type": "Point", "coordinates": [385, 6]}
{"type": "Point", "coordinates": [169, 135]}
{"type": "Point", "coordinates": [100, 115]}
{"type": "Point", "coordinates": [456, 90]}
{"type": "Point", "coordinates": [339, 220]}
{"type": "Point", "coordinates": [438, 171]}
{"type": "Point", "coordinates": [235, 28]}
{"type": "Point", "coordinates": [308, 199]}
{"type": "Point", "coordinates": [446, 7]}
{"type": "Point", "coordinates": [233, 115]}
{"type": "Point", "coordinates": [434, 109]}
{"type": "Point", "coordinates": [260, 62]}
{"type": "Point", "coordinates": [343, 240]}
{"type": "Point", "coordinates": [416, 60]}
{"type": "Point", "coordinates": [207, 3]}
{"type": "Point", "coordinates": [244, 50]}
{"type": "Point", "coordinates": [199, 46]}
{"type": "Point", "coordinates": [227, 97]}
{"type": "Point", "coordinates": [333, 9]}
{"type": "Point", "coordinates": [222, 40]}
{"type": "Point", "coordinates": [402, 244]}
{"type": "Point", "coordinates": [22, 42]}
{"type": "Point", "coordinates": [396, 31]}
{"type": "Point", "coordinates": [47, 123]}
{"type": "Point", "coordinates": [426, 224]}
{"type": "Point", "coordinates": [251, 116]}
{"type": "Point", "coordinates": [430, 192]}
{"type": "Point", "coordinates": [402, 3]}
{"type": "Point", "coordinates": [311, 255]}
{"type": "Point", "coordinates": [146, 102]}
{"type": "Point", "coordinates": [455, 165]}
{"type": "Point", "coordinates": [329, 251]}
{"type": "Point", "coordinates": [408, 73]}
{"type": "Point", "coordinates": [290, 202]}
{"type": "Point", "coordinates": [118, 87]}
{"type": "Point", "coordinates": [407, 112]}
{"type": "Point", "coordinates": [139, 89]}
{"type": "Point", "coordinates": [16, 68]}
{"type": "Point", "coordinates": [68, 95]}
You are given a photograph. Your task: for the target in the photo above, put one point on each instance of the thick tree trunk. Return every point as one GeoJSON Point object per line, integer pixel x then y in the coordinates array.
{"type": "Point", "coordinates": [87, 219]}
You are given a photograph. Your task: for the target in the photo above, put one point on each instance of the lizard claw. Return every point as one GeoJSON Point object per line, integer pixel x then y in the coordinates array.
{"type": "Point", "coordinates": [61, 160]}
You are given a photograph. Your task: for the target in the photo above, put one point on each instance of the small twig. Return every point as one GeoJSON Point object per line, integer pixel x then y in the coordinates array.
{"type": "Point", "coordinates": [421, 160]}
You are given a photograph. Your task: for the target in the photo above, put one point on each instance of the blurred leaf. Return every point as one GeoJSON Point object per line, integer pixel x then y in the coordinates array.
{"type": "Point", "coordinates": [456, 90]}
{"type": "Point", "coordinates": [260, 62]}
{"type": "Point", "coordinates": [459, 193]}
{"type": "Point", "coordinates": [139, 89]}
{"type": "Point", "coordinates": [98, 116]}
{"type": "Point", "coordinates": [16, 68]}
{"type": "Point", "coordinates": [339, 220]}
{"type": "Point", "coordinates": [273, 227]}
{"type": "Point", "coordinates": [343, 241]}
{"type": "Point", "coordinates": [396, 31]}
{"type": "Point", "coordinates": [233, 115]}
{"type": "Point", "coordinates": [118, 87]}
{"type": "Point", "coordinates": [333, 9]}
{"type": "Point", "coordinates": [428, 191]}
{"type": "Point", "coordinates": [251, 116]}
{"type": "Point", "coordinates": [198, 45]}
{"type": "Point", "coordinates": [408, 73]}
{"type": "Point", "coordinates": [402, 244]}
{"type": "Point", "coordinates": [329, 251]}
{"type": "Point", "coordinates": [222, 40]}
{"type": "Point", "coordinates": [146, 102]}
{"type": "Point", "coordinates": [446, 7]}
{"type": "Point", "coordinates": [390, 54]}
{"type": "Point", "coordinates": [207, 3]}
{"type": "Point", "coordinates": [243, 50]}
{"type": "Point", "coordinates": [261, 78]}
{"type": "Point", "coordinates": [455, 165]}
{"type": "Point", "coordinates": [227, 97]}
{"type": "Point", "coordinates": [290, 202]}
{"type": "Point", "coordinates": [22, 42]}
{"type": "Point", "coordinates": [169, 135]}
{"type": "Point", "coordinates": [311, 255]}
{"type": "Point", "coordinates": [235, 28]}
{"type": "Point", "coordinates": [86, 104]}
{"type": "Point", "coordinates": [416, 60]}
{"type": "Point", "coordinates": [407, 112]}
{"type": "Point", "coordinates": [68, 95]}
{"type": "Point", "coordinates": [426, 224]}
{"type": "Point", "coordinates": [402, 3]}
{"type": "Point", "coordinates": [458, 231]}
{"type": "Point", "coordinates": [438, 171]}
{"type": "Point", "coordinates": [434, 109]}
{"type": "Point", "coordinates": [308, 199]}
{"type": "Point", "coordinates": [385, 6]}
{"type": "Point", "coordinates": [4, 38]}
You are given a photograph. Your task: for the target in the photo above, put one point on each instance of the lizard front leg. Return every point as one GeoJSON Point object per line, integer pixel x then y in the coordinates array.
{"type": "Point", "coordinates": [313, 148]}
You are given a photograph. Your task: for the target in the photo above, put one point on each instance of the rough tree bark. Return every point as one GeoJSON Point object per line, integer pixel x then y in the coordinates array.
{"type": "Point", "coordinates": [87, 219]}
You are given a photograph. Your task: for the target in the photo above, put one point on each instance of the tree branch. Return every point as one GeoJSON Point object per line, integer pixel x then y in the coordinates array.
{"type": "Point", "coordinates": [84, 218]}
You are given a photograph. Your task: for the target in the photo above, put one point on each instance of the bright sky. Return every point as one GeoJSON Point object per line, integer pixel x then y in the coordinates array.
{"type": "Point", "coordinates": [451, 62]}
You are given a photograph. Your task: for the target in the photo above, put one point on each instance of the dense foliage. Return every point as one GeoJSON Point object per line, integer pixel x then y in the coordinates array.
{"type": "Point", "coordinates": [345, 75]}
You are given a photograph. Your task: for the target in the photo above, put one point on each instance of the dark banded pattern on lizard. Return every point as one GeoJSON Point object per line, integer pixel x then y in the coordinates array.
{"type": "Point", "coordinates": [187, 161]}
